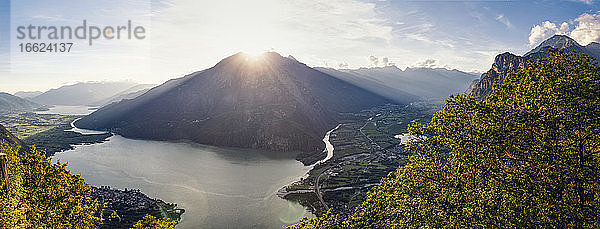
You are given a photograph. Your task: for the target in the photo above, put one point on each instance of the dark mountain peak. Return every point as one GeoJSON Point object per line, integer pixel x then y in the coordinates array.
{"type": "Point", "coordinates": [292, 57]}
{"type": "Point", "coordinates": [594, 49]}
{"type": "Point", "coordinates": [504, 55]}
{"type": "Point", "coordinates": [593, 45]}
{"type": "Point", "coordinates": [560, 38]}
{"type": "Point", "coordinates": [559, 42]}
{"type": "Point", "coordinates": [507, 61]}
{"type": "Point", "coordinates": [265, 102]}
{"type": "Point", "coordinates": [253, 63]}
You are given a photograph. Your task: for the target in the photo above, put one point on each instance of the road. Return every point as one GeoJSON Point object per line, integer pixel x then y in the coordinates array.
{"type": "Point", "coordinates": [363, 133]}
{"type": "Point", "coordinates": [318, 191]}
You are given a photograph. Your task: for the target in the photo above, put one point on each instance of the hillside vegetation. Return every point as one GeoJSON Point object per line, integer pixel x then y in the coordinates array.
{"type": "Point", "coordinates": [525, 157]}
{"type": "Point", "coordinates": [45, 195]}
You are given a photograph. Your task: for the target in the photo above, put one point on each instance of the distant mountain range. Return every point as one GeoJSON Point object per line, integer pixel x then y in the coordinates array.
{"type": "Point", "coordinates": [130, 93]}
{"type": "Point", "coordinates": [505, 62]}
{"type": "Point", "coordinates": [27, 94]}
{"type": "Point", "coordinates": [10, 102]}
{"type": "Point", "coordinates": [396, 84]}
{"type": "Point", "coordinates": [88, 93]}
{"type": "Point", "coordinates": [268, 102]}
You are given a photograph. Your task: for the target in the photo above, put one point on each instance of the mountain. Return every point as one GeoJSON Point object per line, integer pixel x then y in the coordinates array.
{"type": "Point", "coordinates": [10, 102]}
{"type": "Point", "coordinates": [27, 94]}
{"type": "Point", "coordinates": [505, 62]}
{"type": "Point", "coordinates": [8, 137]}
{"type": "Point", "coordinates": [82, 94]}
{"type": "Point", "coordinates": [398, 85]}
{"type": "Point", "coordinates": [130, 93]}
{"type": "Point", "coordinates": [268, 102]}
{"type": "Point", "coordinates": [559, 42]}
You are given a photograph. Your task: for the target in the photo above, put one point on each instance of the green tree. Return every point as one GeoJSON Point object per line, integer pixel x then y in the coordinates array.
{"type": "Point", "coordinates": [151, 222]}
{"type": "Point", "coordinates": [526, 156]}
{"type": "Point", "coordinates": [44, 195]}
{"type": "Point", "coordinates": [326, 221]}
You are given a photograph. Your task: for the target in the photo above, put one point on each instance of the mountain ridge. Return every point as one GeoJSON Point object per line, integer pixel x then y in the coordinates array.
{"type": "Point", "coordinates": [269, 102]}
{"type": "Point", "coordinates": [505, 62]}
{"type": "Point", "coordinates": [397, 84]}
{"type": "Point", "coordinates": [82, 93]}
{"type": "Point", "coordinates": [10, 102]}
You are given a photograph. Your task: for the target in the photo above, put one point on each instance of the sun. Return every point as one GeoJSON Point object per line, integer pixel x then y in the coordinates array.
{"type": "Point", "coordinates": [254, 52]}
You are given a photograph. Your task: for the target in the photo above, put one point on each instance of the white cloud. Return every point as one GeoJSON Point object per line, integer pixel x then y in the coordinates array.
{"type": "Point", "coordinates": [587, 29]}
{"type": "Point", "coordinates": [428, 63]}
{"type": "Point", "coordinates": [502, 19]}
{"type": "Point", "coordinates": [374, 61]}
{"type": "Point", "coordinates": [589, 2]}
{"type": "Point", "coordinates": [564, 27]}
{"type": "Point", "coordinates": [541, 32]}
{"type": "Point", "coordinates": [379, 61]}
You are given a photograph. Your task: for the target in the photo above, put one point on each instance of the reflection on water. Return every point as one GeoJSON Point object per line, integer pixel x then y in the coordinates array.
{"type": "Point", "coordinates": [69, 110]}
{"type": "Point", "coordinates": [218, 187]}
{"type": "Point", "coordinates": [83, 131]}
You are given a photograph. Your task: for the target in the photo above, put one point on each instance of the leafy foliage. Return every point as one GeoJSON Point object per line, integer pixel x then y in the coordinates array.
{"type": "Point", "coordinates": [44, 195]}
{"type": "Point", "coordinates": [526, 156]}
{"type": "Point", "coordinates": [151, 222]}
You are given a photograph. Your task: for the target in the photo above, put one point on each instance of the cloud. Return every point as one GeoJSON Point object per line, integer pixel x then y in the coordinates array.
{"type": "Point", "coordinates": [502, 19]}
{"type": "Point", "coordinates": [312, 30]}
{"type": "Point", "coordinates": [428, 63]}
{"type": "Point", "coordinates": [589, 2]}
{"type": "Point", "coordinates": [545, 30]}
{"type": "Point", "coordinates": [374, 61]}
{"type": "Point", "coordinates": [384, 61]}
{"type": "Point", "coordinates": [587, 29]}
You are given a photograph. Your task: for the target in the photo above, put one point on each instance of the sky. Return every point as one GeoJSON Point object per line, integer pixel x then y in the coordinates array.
{"type": "Point", "coordinates": [184, 36]}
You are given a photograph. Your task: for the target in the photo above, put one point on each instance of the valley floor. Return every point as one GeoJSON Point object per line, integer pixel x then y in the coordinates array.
{"type": "Point", "coordinates": [366, 150]}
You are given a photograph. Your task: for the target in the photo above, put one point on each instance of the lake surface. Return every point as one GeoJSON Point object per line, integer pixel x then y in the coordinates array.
{"type": "Point", "coordinates": [218, 187]}
{"type": "Point", "coordinates": [69, 110]}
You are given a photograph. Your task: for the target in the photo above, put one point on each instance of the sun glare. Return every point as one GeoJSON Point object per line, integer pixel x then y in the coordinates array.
{"type": "Point", "coordinates": [254, 53]}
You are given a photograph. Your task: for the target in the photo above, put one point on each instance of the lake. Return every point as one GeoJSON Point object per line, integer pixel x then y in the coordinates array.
{"type": "Point", "coordinates": [218, 187]}
{"type": "Point", "coordinates": [69, 110]}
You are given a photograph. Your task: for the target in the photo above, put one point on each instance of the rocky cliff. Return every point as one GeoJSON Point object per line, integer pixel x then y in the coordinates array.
{"type": "Point", "coordinates": [505, 62]}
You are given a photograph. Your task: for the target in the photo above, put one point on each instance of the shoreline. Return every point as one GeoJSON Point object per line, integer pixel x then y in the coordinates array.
{"type": "Point", "coordinates": [282, 192]}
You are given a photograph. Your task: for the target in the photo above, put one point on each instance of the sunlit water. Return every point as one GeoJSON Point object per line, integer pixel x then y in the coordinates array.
{"type": "Point", "coordinates": [218, 187]}
{"type": "Point", "coordinates": [69, 110]}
